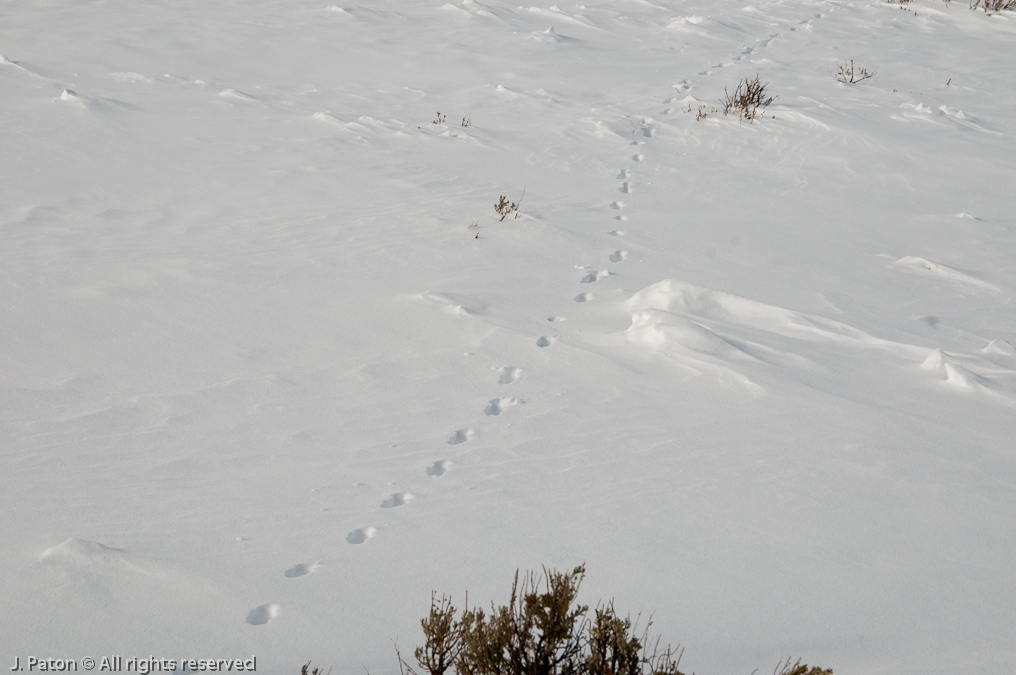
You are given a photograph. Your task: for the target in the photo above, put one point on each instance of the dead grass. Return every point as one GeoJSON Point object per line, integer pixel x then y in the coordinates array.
{"type": "Point", "coordinates": [748, 100]}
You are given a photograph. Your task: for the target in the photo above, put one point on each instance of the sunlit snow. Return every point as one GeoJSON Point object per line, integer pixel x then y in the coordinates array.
{"type": "Point", "coordinates": [273, 369]}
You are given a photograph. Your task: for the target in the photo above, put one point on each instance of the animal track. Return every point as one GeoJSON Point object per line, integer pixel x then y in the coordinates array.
{"type": "Point", "coordinates": [361, 534]}
{"type": "Point", "coordinates": [461, 436]}
{"type": "Point", "coordinates": [593, 277]}
{"type": "Point", "coordinates": [616, 233]}
{"type": "Point", "coordinates": [497, 405]}
{"type": "Point", "coordinates": [583, 297]}
{"type": "Point", "coordinates": [439, 468]}
{"type": "Point", "coordinates": [262, 614]}
{"type": "Point", "coordinates": [617, 205]}
{"type": "Point", "coordinates": [397, 499]}
{"type": "Point", "coordinates": [301, 569]}
{"type": "Point", "coordinates": [508, 374]}
{"type": "Point", "coordinates": [545, 341]}
{"type": "Point", "coordinates": [625, 188]}
{"type": "Point", "coordinates": [618, 256]}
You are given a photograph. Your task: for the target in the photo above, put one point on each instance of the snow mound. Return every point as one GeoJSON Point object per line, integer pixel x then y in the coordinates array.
{"type": "Point", "coordinates": [236, 95]}
{"type": "Point", "coordinates": [551, 36]}
{"type": "Point", "coordinates": [84, 553]}
{"type": "Point", "coordinates": [658, 330]}
{"type": "Point", "coordinates": [72, 97]}
{"type": "Point", "coordinates": [923, 266]}
{"type": "Point", "coordinates": [1000, 348]}
{"type": "Point", "coordinates": [960, 373]}
{"type": "Point", "coordinates": [681, 297]}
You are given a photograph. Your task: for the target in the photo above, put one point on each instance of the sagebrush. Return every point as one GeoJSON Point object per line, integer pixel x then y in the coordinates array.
{"type": "Point", "coordinates": [544, 631]}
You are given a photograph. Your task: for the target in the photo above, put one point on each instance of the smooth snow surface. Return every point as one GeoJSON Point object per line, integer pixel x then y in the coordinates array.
{"type": "Point", "coordinates": [273, 369]}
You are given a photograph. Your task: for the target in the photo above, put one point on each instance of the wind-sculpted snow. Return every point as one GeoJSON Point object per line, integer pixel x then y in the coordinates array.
{"type": "Point", "coordinates": [82, 554]}
{"type": "Point", "coordinates": [926, 267]}
{"type": "Point", "coordinates": [705, 330]}
{"type": "Point", "coordinates": [690, 345]}
{"type": "Point", "coordinates": [728, 309]}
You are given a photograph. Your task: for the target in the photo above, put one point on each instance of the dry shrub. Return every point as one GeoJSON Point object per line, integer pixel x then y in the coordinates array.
{"type": "Point", "coordinates": [541, 631]}
{"type": "Point", "coordinates": [848, 75]}
{"type": "Point", "coordinates": [505, 207]}
{"type": "Point", "coordinates": [544, 631]}
{"type": "Point", "coordinates": [748, 99]}
{"type": "Point", "coordinates": [992, 5]}
{"type": "Point", "coordinates": [786, 668]}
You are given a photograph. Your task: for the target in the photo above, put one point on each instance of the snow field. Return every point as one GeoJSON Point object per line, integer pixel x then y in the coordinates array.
{"type": "Point", "coordinates": [263, 388]}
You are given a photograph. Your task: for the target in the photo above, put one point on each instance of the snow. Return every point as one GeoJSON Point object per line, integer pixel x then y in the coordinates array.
{"type": "Point", "coordinates": [263, 387]}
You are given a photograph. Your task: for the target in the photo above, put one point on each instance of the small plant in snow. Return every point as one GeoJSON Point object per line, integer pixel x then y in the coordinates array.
{"type": "Point", "coordinates": [848, 75]}
{"type": "Point", "coordinates": [990, 6]}
{"type": "Point", "coordinates": [505, 208]}
{"type": "Point", "coordinates": [799, 669]}
{"type": "Point", "coordinates": [440, 119]}
{"type": "Point", "coordinates": [467, 120]}
{"type": "Point", "coordinates": [749, 97]}
{"type": "Point", "coordinates": [703, 112]}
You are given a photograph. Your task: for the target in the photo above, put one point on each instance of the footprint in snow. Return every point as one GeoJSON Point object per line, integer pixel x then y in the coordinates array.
{"type": "Point", "coordinates": [497, 405]}
{"type": "Point", "coordinates": [301, 570]}
{"type": "Point", "coordinates": [508, 374]}
{"type": "Point", "coordinates": [439, 468]}
{"type": "Point", "coordinates": [625, 188]}
{"type": "Point", "coordinates": [593, 277]}
{"type": "Point", "coordinates": [545, 341]}
{"type": "Point", "coordinates": [397, 499]}
{"type": "Point", "coordinates": [617, 205]}
{"type": "Point", "coordinates": [623, 174]}
{"type": "Point", "coordinates": [460, 436]}
{"type": "Point", "coordinates": [361, 534]}
{"type": "Point", "coordinates": [583, 297]}
{"type": "Point", "coordinates": [262, 614]}
{"type": "Point", "coordinates": [618, 256]}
